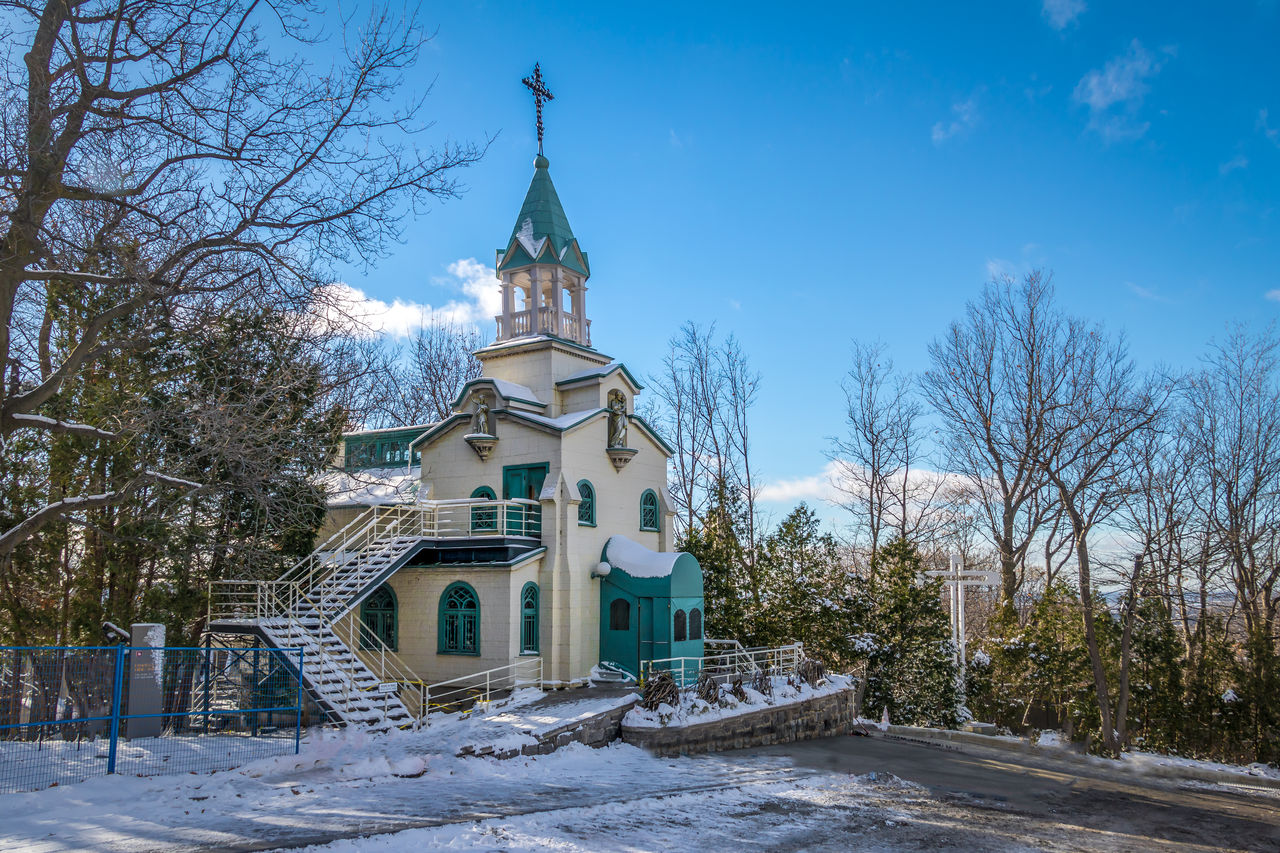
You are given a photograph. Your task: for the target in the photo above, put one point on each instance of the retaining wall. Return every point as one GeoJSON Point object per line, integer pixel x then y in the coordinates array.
{"type": "Point", "coordinates": [821, 716]}
{"type": "Point", "coordinates": [600, 730]}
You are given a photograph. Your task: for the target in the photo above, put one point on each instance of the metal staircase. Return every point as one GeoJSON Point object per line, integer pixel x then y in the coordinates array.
{"type": "Point", "coordinates": [348, 670]}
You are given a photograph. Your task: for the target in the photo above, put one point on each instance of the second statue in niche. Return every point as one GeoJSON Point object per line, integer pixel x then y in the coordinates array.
{"type": "Point", "coordinates": [481, 425]}
{"type": "Point", "coordinates": [617, 420]}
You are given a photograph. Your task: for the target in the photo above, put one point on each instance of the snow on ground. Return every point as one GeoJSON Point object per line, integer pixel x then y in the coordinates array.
{"type": "Point", "coordinates": [32, 765]}
{"type": "Point", "coordinates": [343, 784]}
{"type": "Point", "coordinates": [1151, 760]}
{"type": "Point", "coordinates": [694, 710]}
{"type": "Point", "coordinates": [1154, 761]}
{"type": "Point", "coordinates": [768, 816]}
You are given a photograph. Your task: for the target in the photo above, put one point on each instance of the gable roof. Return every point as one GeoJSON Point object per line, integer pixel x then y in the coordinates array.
{"type": "Point", "coordinates": [600, 373]}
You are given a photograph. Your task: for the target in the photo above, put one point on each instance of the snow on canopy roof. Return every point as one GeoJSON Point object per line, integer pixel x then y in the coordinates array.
{"type": "Point", "coordinates": [596, 372]}
{"type": "Point", "coordinates": [564, 421]}
{"type": "Point", "coordinates": [509, 391]}
{"type": "Point", "coordinates": [372, 486]}
{"type": "Point", "coordinates": [637, 560]}
{"type": "Point", "coordinates": [512, 390]}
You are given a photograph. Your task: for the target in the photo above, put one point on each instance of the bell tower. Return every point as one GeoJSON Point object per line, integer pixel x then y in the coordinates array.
{"type": "Point", "coordinates": [543, 270]}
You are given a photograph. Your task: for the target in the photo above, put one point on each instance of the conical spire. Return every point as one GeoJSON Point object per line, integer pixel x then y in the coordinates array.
{"type": "Point", "coordinates": [542, 234]}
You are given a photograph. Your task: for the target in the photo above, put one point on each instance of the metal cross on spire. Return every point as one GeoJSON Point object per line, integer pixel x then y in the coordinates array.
{"type": "Point", "coordinates": [540, 93]}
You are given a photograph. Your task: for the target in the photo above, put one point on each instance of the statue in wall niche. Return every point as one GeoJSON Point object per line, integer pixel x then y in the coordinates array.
{"type": "Point", "coordinates": [617, 420]}
{"type": "Point", "coordinates": [482, 425]}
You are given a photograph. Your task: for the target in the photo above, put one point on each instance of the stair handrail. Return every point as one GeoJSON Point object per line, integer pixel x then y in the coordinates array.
{"type": "Point", "coordinates": [484, 683]}
{"type": "Point", "coordinates": [385, 664]}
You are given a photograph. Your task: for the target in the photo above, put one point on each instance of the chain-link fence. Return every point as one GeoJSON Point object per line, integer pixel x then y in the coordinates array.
{"type": "Point", "coordinates": [71, 713]}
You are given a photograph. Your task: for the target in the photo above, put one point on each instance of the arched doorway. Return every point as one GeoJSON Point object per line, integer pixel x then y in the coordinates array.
{"type": "Point", "coordinates": [378, 615]}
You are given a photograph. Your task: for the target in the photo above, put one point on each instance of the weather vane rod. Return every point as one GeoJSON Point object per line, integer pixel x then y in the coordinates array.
{"type": "Point", "coordinates": [540, 93]}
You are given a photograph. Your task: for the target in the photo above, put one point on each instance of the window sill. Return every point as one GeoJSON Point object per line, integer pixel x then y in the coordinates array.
{"type": "Point", "coordinates": [530, 654]}
{"type": "Point", "coordinates": [586, 524]}
{"type": "Point", "coordinates": [475, 654]}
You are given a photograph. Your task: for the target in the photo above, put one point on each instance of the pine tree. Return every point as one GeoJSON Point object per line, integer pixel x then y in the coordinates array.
{"type": "Point", "coordinates": [897, 624]}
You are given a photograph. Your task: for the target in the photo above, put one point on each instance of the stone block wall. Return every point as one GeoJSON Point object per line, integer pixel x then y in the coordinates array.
{"type": "Point", "coordinates": [821, 716]}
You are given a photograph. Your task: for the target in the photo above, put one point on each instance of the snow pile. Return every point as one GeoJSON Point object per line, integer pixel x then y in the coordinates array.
{"type": "Point", "coordinates": [637, 560]}
{"type": "Point", "coordinates": [694, 710]}
{"type": "Point", "coordinates": [1151, 761]}
{"type": "Point", "coordinates": [1051, 739]}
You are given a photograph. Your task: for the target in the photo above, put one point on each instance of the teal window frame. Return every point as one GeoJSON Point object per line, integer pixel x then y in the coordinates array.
{"type": "Point", "coordinates": [459, 624]}
{"type": "Point", "coordinates": [484, 518]}
{"type": "Point", "coordinates": [649, 504]}
{"type": "Point", "coordinates": [587, 506]}
{"type": "Point", "coordinates": [366, 613]}
{"type": "Point", "coordinates": [529, 603]}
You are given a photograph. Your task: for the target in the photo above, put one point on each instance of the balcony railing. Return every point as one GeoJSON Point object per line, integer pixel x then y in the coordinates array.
{"type": "Point", "coordinates": [521, 323]}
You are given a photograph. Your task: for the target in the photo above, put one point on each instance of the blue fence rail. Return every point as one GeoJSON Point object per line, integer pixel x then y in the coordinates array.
{"type": "Point", "coordinates": [72, 713]}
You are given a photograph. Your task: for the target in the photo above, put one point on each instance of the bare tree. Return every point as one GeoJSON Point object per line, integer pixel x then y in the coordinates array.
{"type": "Point", "coordinates": [1094, 406]}
{"type": "Point", "coordinates": [420, 387]}
{"type": "Point", "coordinates": [1234, 409]}
{"type": "Point", "coordinates": [706, 391]}
{"type": "Point", "coordinates": [216, 170]}
{"type": "Point", "coordinates": [983, 385]}
{"type": "Point", "coordinates": [878, 462]}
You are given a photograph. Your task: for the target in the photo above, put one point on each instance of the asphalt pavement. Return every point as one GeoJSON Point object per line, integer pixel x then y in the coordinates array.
{"type": "Point", "coordinates": [1118, 808]}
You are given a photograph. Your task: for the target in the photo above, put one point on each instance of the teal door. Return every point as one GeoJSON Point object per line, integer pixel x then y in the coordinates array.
{"type": "Point", "coordinates": [524, 482]}
{"type": "Point", "coordinates": [645, 633]}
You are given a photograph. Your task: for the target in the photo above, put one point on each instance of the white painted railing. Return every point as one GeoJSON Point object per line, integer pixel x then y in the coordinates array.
{"type": "Point", "coordinates": [542, 321]}
{"type": "Point", "coordinates": [321, 587]}
{"type": "Point", "coordinates": [479, 687]}
{"type": "Point", "coordinates": [780, 660]}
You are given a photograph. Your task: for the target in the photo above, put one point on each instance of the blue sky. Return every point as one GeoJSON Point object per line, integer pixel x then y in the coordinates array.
{"type": "Point", "coordinates": [808, 174]}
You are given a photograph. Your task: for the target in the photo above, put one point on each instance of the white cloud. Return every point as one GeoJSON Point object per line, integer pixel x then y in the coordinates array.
{"type": "Point", "coordinates": [1114, 92]}
{"type": "Point", "coordinates": [1271, 133]}
{"type": "Point", "coordinates": [1061, 13]}
{"type": "Point", "coordinates": [966, 118]}
{"type": "Point", "coordinates": [1237, 162]}
{"type": "Point", "coordinates": [343, 307]}
{"type": "Point", "coordinates": [834, 484]}
{"type": "Point", "coordinates": [818, 487]}
{"type": "Point", "coordinates": [998, 268]}
{"type": "Point", "coordinates": [1273, 295]}
{"type": "Point", "coordinates": [1150, 294]}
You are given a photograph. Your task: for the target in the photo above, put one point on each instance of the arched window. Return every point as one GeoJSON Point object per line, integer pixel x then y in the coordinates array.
{"type": "Point", "coordinates": [620, 615]}
{"type": "Point", "coordinates": [459, 621]}
{"type": "Point", "coordinates": [587, 506]}
{"type": "Point", "coordinates": [695, 624]}
{"type": "Point", "coordinates": [484, 518]}
{"type": "Point", "coordinates": [681, 633]}
{"type": "Point", "coordinates": [529, 619]}
{"type": "Point", "coordinates": [378, 619]}
{"type": "Point", "coordinates": [649, 510]}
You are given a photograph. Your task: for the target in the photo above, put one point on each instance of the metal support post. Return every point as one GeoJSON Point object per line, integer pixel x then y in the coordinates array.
{"type": "Point", "coordinates": [117, 691]}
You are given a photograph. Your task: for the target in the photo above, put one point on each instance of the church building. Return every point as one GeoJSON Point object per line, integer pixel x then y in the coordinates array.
{"type": "Point", "coordinates": [552, 528]}
{"type": "Point", "coordinates": [531, 525]}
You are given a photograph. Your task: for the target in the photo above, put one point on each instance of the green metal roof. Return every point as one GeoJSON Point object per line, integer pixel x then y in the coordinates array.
{"type": "Point", "coordinates": [541, 216]}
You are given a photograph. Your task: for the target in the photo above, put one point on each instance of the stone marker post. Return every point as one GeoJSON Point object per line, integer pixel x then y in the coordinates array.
{"type": "Point", "coordinates": [146, 680]}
